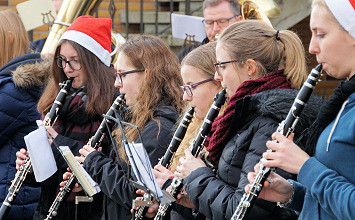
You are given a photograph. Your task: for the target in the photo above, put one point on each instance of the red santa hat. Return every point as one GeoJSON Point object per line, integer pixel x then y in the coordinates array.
{"type": "Point", "coordinates": [344, 12]}
{"type": "Point", "coordinates": [94, 34]}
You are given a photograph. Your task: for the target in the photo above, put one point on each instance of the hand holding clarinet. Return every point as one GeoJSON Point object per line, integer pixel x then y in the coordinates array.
{"type": "Point", "coordinates": [280, 151]}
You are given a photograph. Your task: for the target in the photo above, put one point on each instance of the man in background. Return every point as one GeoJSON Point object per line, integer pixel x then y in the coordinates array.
{"type": "Point", "coordinates": [218, 15]}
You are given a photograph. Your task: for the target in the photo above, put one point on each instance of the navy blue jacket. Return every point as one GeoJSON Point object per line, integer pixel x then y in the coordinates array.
{"type": "Point", "coordinates": [21, 85]}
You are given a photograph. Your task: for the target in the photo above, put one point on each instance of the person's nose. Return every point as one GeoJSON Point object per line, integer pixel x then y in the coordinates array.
{"type": "Point", "coordinates": [186, 97]}
{"type": "Point", "coordinates": [313, 46]}
{"type": "Point", "coordinates": [118, 84]}
{"type": "Point", "coordinates": [67, 68]}
{"type": "Point", "coordinates": [217, 76]}
{"type": "Point", "coordinates": [216, 27]}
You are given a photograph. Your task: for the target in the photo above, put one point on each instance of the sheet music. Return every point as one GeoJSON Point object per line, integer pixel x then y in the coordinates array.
{"type": "Point", "coordinates": [187, 24]}
{"type": "Point", "coordinates": [143, 169]}
{"type": "Point", "coordinates": [88, 184]}
{"type": "Point", "coordinates": [34, 13]}
{"type": "Point", "coordinates": [40, 152]}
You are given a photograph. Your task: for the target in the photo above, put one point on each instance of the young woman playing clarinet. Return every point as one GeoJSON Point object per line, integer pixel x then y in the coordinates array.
{"type": "Point", "coordinates": [326, 180]}
{"type": "Point", "coordinates": [83, 53]}
{"type": "Point", "coordinates": [258, 66]}
{"type": "Point", "coordinates": [199, 88]}
{"type": "Point", "coordinates": [148, 75]}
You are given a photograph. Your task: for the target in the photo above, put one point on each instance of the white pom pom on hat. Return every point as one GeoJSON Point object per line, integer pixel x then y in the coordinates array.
{"type": "Point", "coordinates": [94, 34]}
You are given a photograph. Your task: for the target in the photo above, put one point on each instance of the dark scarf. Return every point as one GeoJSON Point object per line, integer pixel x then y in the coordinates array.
{"type": "Point", "coordinates": [73, 121]}
{"type": "Point", "coordinates": [327, 114]}
{"type": "Point", "coordinates": [217, 138]}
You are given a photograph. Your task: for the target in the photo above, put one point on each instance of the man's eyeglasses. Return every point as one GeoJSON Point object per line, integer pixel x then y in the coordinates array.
{"type": "Point", "coordinates": [120, 74]}
{"type": "Point", "coordinates": [73, 64]}
{"type": "Point", "coordinates": [188, 88]}
{"type": "Point", "coordinates": [219, 65]}
{"type": "Point", "coordinates": [222, 22]}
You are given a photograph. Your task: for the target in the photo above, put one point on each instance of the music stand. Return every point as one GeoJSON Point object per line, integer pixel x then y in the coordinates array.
{"type": "Point", "coordinates": [141, 167]}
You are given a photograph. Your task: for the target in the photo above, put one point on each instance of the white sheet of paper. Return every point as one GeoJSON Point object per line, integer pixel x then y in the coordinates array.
{"type": "Point", "coordinates": [34, 12]}
{"type": "Point", "coordinates": [187, 24]}
{"type": "Point", "coordinates": [88, 184]}
{"type": "Point", "coordinates": [41, 154]}
{"type": "Point", "coordinates": [141, 159]}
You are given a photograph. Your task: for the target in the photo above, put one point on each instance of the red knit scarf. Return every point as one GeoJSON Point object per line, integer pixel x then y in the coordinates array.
{"type": "Point", "coordinates": [216, 139]}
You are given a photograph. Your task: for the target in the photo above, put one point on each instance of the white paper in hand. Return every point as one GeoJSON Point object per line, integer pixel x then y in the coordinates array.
{"type": "Point", "coordinates": [41, 154]}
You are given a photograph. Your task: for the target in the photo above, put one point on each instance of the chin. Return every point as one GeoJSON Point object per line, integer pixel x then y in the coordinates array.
{"type": "Point", "coordinates": [76, 85]}
{"type": "Point", "coordinates": [198, 115]}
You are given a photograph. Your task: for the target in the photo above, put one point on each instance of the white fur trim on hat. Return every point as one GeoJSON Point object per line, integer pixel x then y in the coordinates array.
{"type": "Point", "coordinates": [89, 43]}
{"type": "Point", "coordinates": [344, 12]}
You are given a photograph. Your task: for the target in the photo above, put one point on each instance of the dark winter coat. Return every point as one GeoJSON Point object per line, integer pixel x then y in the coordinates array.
{"type": "Point", "coordinates": [21, 85]}
{"type": "Point", "coordinates": [110, 174]}
{"type": "Point", "coordinates": [256, 118]}
{"type": "Point", "coordinates": [187, 49]}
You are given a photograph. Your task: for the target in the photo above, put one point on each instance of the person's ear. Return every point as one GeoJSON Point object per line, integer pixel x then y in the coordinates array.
{"type": "Point", "coordinates": [11, 37]}
{"type": "Point", "coordinates": [251, 68]}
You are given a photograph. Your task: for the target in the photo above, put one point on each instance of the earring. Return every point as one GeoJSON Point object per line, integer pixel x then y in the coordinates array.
{"type": "Point", "coordinates": [249, 77]}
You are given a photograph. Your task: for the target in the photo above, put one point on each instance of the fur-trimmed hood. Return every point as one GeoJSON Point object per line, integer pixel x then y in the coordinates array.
{"type": "Point", "coordinates": [32, 74]}
{"type": "Point", "coordinates": [28, 72]}
{"type": "Point", "coordinates": [274, 104]}
{"type": "Point", "coordinates": [277, 103]}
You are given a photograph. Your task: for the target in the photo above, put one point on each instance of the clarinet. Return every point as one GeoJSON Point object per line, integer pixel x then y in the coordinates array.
{"type": "Point", "coordinates": [94, 142]}
{"type": "Point", "coordinates": [196, 146]}
{"type": "Point", "coordinates": [167, 159]}
{"type": "Point", "coordinates": [21, 174]}
{"type": "Point", "coordinates": [286, 127]}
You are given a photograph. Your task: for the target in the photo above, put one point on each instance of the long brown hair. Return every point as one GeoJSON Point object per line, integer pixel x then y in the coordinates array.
{"type": "Point", "coordinates": [100, 87]}
{"type": "Point", "coordinates": [14, 39]}
{"type": "Point", "coordinates": [253, 39]}
{"type": "Point", "coordinates": [161, 82]}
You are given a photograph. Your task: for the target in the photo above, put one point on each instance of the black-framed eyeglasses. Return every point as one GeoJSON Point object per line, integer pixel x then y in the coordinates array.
{"type": "Point", "coordinates": [120, 74]}
{"type": "Point", "coordinates": [188, 88]}
{"type": "Point", "coordinates": [73, 64]}
{"type": "Point", "coordinates": [219, 65]}
{"type": "Point", "coordinates": [222, 22]}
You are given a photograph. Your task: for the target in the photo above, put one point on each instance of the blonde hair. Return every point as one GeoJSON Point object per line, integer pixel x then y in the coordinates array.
{"type": "Point", "coordinates": [201, 58]}
{"type": "Point", "coordinates": [253, 39]}
{"type": "Point", "coordinates": [14, 39]}
{"type": "Point", "coordinates": [320, 4]}
{"type": "Point", "coordinates": [161, 82]}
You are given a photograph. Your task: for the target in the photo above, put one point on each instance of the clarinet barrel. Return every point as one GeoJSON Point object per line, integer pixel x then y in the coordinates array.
{"type": "Point", "coordinates": [96, 140]}
{"type": "Point", "coordinates": [179, 135]}
{"type": "Point", "coordinates": [207, 122]}
{"type": "Point", "coordinates": [167, 159]}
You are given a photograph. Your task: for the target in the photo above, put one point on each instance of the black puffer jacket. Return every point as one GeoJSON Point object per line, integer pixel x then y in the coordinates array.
{"type": "Point", "coordinates": [111, 175]}
{"type": "Point", "coordinates": [256, 118]}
